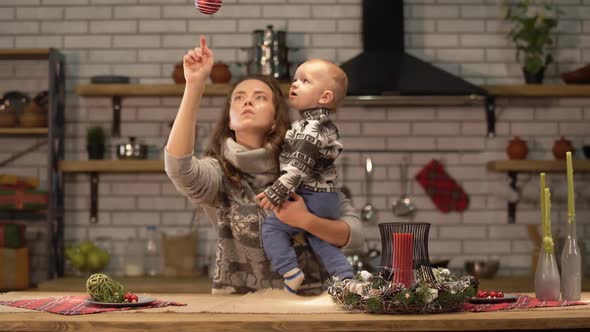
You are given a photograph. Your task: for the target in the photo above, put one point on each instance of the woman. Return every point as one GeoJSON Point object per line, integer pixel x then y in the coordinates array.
{"type": "Point", "coordinates": [242, 159]}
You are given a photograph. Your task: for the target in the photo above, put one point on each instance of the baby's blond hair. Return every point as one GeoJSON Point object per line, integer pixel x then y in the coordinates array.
{"type": "Point", "coordinates": [339, 82]}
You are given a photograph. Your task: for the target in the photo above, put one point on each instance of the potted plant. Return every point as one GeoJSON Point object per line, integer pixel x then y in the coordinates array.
{"type": "Point", "coordinates": [531, 33]}
{"type": "Point", "coordinates": [95, 143]}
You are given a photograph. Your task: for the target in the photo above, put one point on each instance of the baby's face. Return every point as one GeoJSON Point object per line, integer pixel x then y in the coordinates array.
{"type": "Point", "coordinates": [309, 84]}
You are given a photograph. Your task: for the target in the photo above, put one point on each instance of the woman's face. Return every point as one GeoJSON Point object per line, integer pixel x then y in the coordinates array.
{"type": "Point", "coordinates": [252, 108]}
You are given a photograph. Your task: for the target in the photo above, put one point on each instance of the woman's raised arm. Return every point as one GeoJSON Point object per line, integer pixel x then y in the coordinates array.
{"type": "Point", "coordinates": [197, 65]}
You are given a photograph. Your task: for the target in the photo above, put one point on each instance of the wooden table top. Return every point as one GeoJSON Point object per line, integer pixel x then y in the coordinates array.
{"type": "Point", "coordinates": [202, 284]}
{"type": "Point", "coordinates": [192, 285]}
{"type": "Point", "coordinates": [182, 319]}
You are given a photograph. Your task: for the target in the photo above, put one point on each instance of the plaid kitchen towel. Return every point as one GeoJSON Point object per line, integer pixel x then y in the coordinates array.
{"type": "Point", "coordinates": [446, 194]}
{"type": "Point", "coordinates": [77, 305]}
{"type": "Point", "coordinates": [523, 302]}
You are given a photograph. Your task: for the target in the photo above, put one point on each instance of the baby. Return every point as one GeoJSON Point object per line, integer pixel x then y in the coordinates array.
{"type": "Point", "coordinates": [307, 168]}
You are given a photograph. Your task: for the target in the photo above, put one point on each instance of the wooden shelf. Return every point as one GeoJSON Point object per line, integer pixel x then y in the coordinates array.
{"type": "Point", "coordinates": [136, 90]}
{"type": "Point", "coordinates": [24, 53]}
{"type": "Point", "coordinates": [536, 166]}
{"type": "Point", "coordinates": [524, 90]}
{"type": "Point", "coordinates": [111, 166]}
{"type": "Point", "coordinates": [540, 90]}
{"type": "Point", "coordinates": [23, 131]}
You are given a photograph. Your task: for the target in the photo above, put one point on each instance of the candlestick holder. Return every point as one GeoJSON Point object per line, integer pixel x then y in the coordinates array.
{"type": "Point", "coordinates": [420, 261]}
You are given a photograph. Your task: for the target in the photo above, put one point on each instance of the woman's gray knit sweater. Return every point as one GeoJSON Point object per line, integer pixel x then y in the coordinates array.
{"type": "Point", "coordinates": [240, 264]}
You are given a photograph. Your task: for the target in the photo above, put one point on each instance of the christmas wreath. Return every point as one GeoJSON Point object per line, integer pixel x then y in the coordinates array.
{"type": "Point", "coordinates": [375, 294]}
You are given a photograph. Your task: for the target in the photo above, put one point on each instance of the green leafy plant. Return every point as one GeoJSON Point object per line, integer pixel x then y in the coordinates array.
{"type": "Point", "coordinates": [95, 136]}
{"type": "Point", "coordinates": [531, 32]}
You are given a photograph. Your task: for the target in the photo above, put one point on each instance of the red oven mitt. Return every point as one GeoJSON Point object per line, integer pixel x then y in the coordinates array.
{"type": "Point", "coordinates": [446, 194]}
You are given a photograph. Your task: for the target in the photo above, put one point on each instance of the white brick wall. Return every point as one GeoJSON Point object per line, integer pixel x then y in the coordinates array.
{"type": "Point", "coordinates": [144, 39]}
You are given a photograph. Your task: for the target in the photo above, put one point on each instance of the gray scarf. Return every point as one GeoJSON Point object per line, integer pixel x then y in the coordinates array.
{"type": "Point", "coordinates": [258, 164]}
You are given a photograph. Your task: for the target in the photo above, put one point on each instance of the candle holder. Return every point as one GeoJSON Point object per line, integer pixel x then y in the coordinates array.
{"type": "Point", "coordinates": [391, 261]}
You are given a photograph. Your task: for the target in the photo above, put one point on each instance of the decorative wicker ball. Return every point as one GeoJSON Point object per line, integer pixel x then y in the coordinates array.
{"type": "Point", "coordinates": [104, 289]}
{"type": "Point", "coordinates": [208, 7]}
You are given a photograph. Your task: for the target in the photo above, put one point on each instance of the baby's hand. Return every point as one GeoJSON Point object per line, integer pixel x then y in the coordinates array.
{"type": "Point", "coordinates": [264, 202]}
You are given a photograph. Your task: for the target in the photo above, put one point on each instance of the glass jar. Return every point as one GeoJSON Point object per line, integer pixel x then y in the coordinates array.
{"type": "Point", "coordinates": [134, 258]}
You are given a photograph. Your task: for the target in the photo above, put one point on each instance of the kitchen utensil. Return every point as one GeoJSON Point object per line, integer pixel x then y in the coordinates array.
{"type": "Point", "coordinates": [269, 55]}
{"type": "Point", "coordinates": [368, 211]}
{"type": "Point", "coordinates": [482, 269]}
{"type": "Point", "coordinates": [132, 150]}
{"type": "Point", "coordinates": [403, 206]}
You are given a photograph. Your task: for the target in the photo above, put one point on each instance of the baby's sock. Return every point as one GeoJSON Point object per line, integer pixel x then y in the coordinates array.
{"type": "Point", "coordinates": [293, 279]}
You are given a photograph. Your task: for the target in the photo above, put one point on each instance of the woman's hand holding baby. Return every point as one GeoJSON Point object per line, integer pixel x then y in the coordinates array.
{"type": "Point", "coordinates": [264, 202]}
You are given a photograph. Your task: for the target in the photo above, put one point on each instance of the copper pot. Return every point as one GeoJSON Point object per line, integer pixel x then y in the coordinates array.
{"type": "Point", "coordinates": [178, 74]}
{"type": "Point", "coordinates": [517, 149]}
{"type": "Point", "coordinates": [220, 73]}
{"type": "Point", "coordinates": [561, 146]}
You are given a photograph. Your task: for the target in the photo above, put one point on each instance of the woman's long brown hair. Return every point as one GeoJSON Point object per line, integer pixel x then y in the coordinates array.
{"type": "Point", "coordinates": [275, 138]}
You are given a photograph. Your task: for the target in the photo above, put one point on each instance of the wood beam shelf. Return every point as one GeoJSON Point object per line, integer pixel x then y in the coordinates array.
{"type": "Point", "coordinates": [116, 91]}
{"type": "Point", "coordinates": [517, 90]}
{"type": "Point", "coordinates": [513, 167]}
{"type": "Point", "coordinates": [112, 166]}
{"type": "Point", "coordinates": [23, 131]}
{"type": "Point", "coordinates": [539, 90]}
{"type": "Point", "coordinates": [95, 167]}
{"type": "Point", "coordinates": [24, 53]}
{"type": "Point", "coordinates": [536, 166]}
{"type": "Point", "coordinates": [142, 90]}
{"type": "Point", "coordinates": [138, 90]}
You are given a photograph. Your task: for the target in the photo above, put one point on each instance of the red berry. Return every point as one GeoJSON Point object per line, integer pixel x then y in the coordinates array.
{"type": "Point", "coordinates": [480, 294]}
{"type": "Point", "coordinates": [133, 298]}
{"type": "Point", "coordinates": [493, 294]}
{"type": "Point", "coordinates": [500, 294]}
{"type": "Point", "coordinates": [485, 294]}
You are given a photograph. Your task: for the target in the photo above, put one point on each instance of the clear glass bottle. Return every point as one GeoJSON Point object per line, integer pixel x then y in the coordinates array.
{"type": "Point", "coordinates": [547, 283]}
{"type": "Point", "coordinates": [571, 265]}
{"type": "Point", "coordinates": [134, 258]}
{"type": "Point", "coordinates": [153, 252]}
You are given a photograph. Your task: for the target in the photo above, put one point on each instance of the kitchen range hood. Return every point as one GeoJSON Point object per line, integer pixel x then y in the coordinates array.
{"type": "Point", "coordinates": [385, 69]}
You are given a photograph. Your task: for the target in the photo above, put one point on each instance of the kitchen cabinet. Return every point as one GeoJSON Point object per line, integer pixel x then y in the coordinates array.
{"type": "Point", "coordinates": [53, 137]}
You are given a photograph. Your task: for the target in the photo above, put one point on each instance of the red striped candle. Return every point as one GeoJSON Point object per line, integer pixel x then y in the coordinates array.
{"type": "Point", "coordinates": [403, 257]}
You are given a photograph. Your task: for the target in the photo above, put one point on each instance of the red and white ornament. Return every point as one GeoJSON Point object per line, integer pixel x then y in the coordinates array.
{"type": "Point", "coordinates": [208, 7]}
